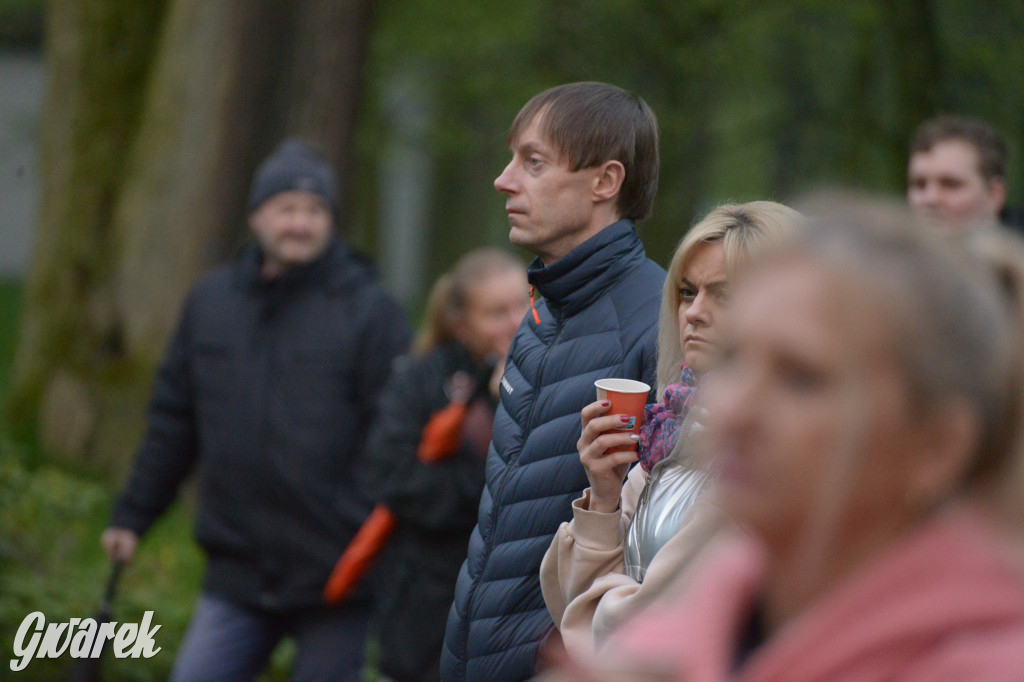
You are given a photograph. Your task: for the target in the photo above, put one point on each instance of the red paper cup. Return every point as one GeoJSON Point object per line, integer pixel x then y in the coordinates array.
{"type": "Point", "coordinates": [627, 397]}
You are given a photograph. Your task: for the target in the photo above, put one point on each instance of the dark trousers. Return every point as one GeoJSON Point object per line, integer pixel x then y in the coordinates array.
{"type": "Point", "coordinates": [227, 642]}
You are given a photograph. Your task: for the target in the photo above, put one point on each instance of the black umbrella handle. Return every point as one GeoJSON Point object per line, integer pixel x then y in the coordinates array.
{"type": "Point", "coordinates": [111, 589]}
{"type": "Point", "coordinates": [88, 669]}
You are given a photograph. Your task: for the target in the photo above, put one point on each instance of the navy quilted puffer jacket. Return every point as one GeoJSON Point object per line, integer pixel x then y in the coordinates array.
{"type": "Point", "coordinates": [598, 319]}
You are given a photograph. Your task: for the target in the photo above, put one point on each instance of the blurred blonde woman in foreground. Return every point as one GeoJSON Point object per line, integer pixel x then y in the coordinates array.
{"type": "Point", "coordinates": [861, 428]}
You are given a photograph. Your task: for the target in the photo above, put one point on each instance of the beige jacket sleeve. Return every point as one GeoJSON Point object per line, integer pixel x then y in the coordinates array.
{"type": "Point", "coordinates": [583, 551]}
{"type": "Point", "coordinates": [582, 576]}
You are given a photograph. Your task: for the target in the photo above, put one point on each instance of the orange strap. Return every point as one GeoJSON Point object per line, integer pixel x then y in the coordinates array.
{"type": "Point", "coordinates": [536, 317]}
{"type": "Point", "coordinates": [440, 438]}
{"type": "Point", "coordinates": [359, 554]}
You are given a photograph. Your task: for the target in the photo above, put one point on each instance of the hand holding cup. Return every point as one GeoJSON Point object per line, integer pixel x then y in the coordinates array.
{"type": "Point", "coordinates": [607, 445]}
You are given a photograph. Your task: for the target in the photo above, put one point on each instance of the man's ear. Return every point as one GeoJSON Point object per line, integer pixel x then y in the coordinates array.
{"type": "Point", "coordinates": [608, 180]}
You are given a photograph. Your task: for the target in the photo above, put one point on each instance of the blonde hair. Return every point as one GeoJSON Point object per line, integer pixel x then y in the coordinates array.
{"type": "Point", "coordinates": [449, 296]}
{"type": "Point", "coordinates": [945, 323]}
{"type": "Point", "coordinates": [743, 230]}
{"type": "Point", "coordinates": [1003, 253]}
{"type": "Point", "coordinates": [952, 321]}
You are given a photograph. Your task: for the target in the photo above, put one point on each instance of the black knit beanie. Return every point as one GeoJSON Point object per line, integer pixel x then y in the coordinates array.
{"type": "Point", "coordinates": [294, 165]}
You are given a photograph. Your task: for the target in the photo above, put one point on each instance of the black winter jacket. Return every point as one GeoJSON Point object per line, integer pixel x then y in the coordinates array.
{"type": "Point", "coordinates": [599, 319]}
{"type": "Point", "coordinates": [268, 389]}
{"type": "Point", "coordinates": [434, 505]}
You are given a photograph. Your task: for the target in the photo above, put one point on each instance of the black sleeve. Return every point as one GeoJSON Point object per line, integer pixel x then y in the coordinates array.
{"type": "Point", "coordinates": [437, 496]}
{"type": "Point", "coordinates": [169, 447]}
{"type": "Point", "coordinates": [442, 496]}
{"type": "Point", "coordinates": [384, 336]}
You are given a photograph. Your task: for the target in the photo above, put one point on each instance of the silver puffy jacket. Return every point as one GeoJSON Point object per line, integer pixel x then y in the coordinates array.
{"type": "Point", "coordinates": [671, 489]}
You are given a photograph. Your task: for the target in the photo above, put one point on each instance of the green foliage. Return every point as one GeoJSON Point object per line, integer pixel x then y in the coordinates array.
{"type": "Point", "coordinates": [755, 100]}
{"type": "Point", "coordinates": [10, 309]}
{"type": "Point", "coordinates": [21, 23]}
{"type": "Point", "coordinates": [50, 561]}
{"type": "Point", "coordinates": [51, 518]}
{"type": "Point", "coordinates": [50, 558]}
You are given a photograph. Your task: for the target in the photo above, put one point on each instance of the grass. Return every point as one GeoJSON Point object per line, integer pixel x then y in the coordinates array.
{"type": "Point", "coordinates": [50, 561]}
{"type": "Point", "coordinates": [51, 519]}
{"type": "Point", "coordinates": [50, 558]}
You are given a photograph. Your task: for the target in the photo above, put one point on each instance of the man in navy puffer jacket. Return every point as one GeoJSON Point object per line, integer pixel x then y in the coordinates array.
{"type": "Point", "coordinates": [584, 167]}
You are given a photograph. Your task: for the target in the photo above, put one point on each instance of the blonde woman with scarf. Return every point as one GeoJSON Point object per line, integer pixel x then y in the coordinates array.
{"type": "Point", "coordinates": [627, 538]}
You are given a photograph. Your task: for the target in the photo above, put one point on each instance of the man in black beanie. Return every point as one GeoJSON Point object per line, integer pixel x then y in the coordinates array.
{"type": "Point", "coordinates": [267, 389]}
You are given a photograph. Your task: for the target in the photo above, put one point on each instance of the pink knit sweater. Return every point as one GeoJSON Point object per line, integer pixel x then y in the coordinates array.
{"type": "Point", "coordinates": [946, 603]}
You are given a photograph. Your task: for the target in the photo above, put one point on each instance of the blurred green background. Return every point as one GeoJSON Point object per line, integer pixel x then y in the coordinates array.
{"type": "Point", "coordinates": [154, 115]}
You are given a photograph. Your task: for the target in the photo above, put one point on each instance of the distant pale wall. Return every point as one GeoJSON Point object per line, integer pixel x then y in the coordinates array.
{"type": "Point", "coordinates": [21, 94]}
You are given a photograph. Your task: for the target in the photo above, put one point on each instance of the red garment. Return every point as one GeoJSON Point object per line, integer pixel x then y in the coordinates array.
{"type": "Point", "coordinates": [946, 603]}
{"type": "Point", "coordinates": [442, 434]}
{"type": "Point", "coordinates": [359, 554]}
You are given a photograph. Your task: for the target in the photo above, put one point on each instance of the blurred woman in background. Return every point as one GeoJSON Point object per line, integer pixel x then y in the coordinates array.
{"type": "Point", "coordinates": [867, 409]}
{"type": "Point", "coordinates": [428, 448]}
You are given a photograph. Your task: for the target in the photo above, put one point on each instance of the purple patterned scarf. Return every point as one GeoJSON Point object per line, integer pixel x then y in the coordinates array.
{"type": "Point", "coordinates": [662, 420]}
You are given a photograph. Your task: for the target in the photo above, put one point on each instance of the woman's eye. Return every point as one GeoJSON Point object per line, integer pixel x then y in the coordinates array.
{"type": "Point", "coordinates": [687, 294]}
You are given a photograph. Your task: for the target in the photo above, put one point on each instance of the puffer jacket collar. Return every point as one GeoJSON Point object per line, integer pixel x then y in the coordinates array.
{"type": "Point", "coordinates": [571, 283]}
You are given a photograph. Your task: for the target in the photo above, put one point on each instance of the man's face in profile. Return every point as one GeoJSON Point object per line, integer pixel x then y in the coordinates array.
{"type": "Point", "coordinates": [945, 185]}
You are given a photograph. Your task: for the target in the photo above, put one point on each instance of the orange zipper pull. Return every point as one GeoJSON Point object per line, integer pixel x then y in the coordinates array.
{"type": "Point", "coordinates": [536, 317]}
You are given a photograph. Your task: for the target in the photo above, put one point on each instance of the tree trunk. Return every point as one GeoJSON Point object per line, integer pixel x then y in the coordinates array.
{"type": "Point", "coordinates": [323, 88]}
{"type": "Point", "coordinates": [98, 55]}
{"type": "Point", "coordinates": [136, 208]}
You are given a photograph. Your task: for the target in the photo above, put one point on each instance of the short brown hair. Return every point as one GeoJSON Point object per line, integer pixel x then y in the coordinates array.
{"type": "Point", "coordinates": [590, 123]}
{"type": "Point", "coordinates": [979, 134]}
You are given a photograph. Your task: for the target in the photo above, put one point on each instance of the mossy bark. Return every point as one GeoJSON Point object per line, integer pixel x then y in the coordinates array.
{"type": "Point", "coordinates": [98, 55]}
{"type": "Point", "coordinates": [325, 79]}
{"type": "Point", "coordinates": [156, 115]}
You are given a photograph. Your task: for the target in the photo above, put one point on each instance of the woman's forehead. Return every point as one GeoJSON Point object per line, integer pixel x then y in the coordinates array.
{"type": "Point", "coordinates": [793, 297]}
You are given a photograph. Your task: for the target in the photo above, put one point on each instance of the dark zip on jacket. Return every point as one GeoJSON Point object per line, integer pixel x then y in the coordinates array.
{"type": "Point", "coordinates": [540, 375]}
{"type": "Point", "coordinates": [508, 465]}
